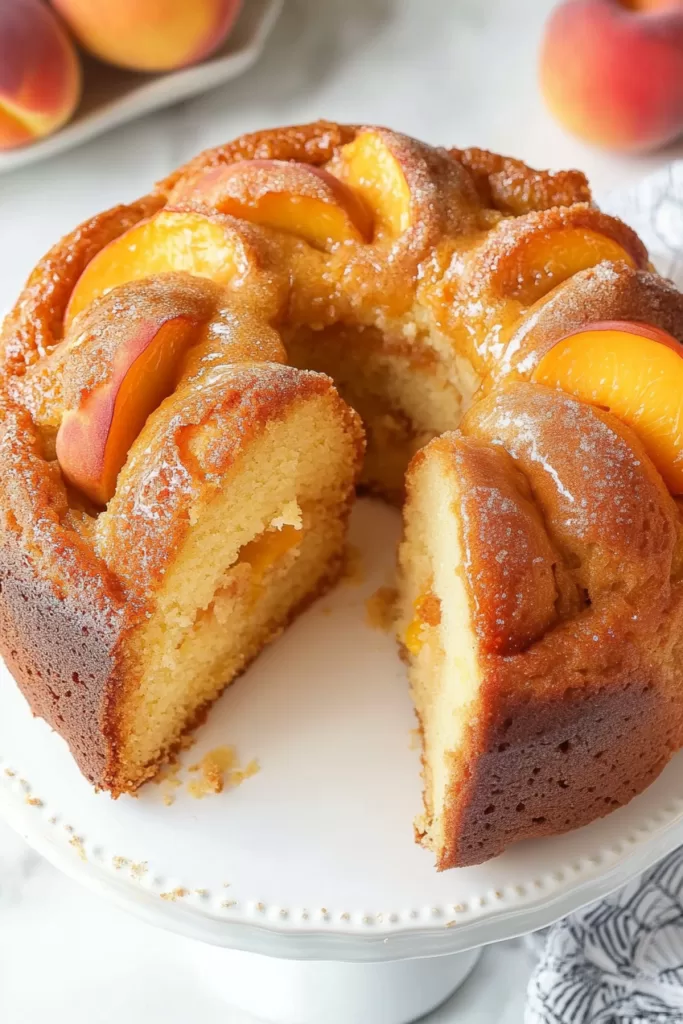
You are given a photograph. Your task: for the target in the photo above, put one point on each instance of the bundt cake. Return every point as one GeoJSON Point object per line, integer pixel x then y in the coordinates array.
{"type": "Point", "coordinates": [180, 387]}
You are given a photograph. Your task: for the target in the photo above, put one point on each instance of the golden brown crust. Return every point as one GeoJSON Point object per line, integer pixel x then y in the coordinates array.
{"type": "Point", "coordinates": [312, 143]}
{"type": "Point", "coordinates": [604, 504]}
{"type": "Point", "coordinates": [510, 186]}
{"type": "Point", "coordinates": [583, 717]}
{"type": "Point", "coordinates": [610, 291]}
{"type": "Point", "coordinates": [35, 324]}
{"type": "Point", "coordinates": [512, 566]}
{"type": "Point", "coordinates": [83, 360]}
{"type": "Point", "coordinates": [541, 767]}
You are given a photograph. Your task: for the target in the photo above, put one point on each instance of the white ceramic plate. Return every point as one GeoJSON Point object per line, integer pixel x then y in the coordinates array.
{"type": "Point", "coordinates": [112, 96]}
{"type": "Point", "coordinates": [314, 856]}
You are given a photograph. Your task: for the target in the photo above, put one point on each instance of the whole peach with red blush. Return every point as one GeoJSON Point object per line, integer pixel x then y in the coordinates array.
{"type": "Point", "coordinates": [612, 71]}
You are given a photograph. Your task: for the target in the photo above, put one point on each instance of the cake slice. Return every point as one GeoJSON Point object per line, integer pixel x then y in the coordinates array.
{"type": "Point", "coordinates": [540, 616]}
{"type": "Point", "coordinates": [228, 516]}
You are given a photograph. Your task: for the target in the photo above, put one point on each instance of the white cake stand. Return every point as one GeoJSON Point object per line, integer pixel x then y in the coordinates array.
{"type": "Point", "coordinates": [307, 875]}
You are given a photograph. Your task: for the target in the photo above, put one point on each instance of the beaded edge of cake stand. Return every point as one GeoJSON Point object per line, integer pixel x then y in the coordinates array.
{"type": "Point", "coordinates": [227, 904]}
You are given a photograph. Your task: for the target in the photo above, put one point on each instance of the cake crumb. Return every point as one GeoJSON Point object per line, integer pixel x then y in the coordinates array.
{"type": "Point", "coordinates": [52, 820]}
{"type": "Point", "coordinates": [217, 769]}
{"type": "Point", "coordinates": [451, 924]}
{"type": "Point", "coordinates": [201, 892]}
{"type": "Point", "coordinates": [34, 801]}
{"type": "Point", "coordinates": [168, 799]}
{"type": "Point", "coordinates": [212, 769]}
{"type": "Point", "coordinates": [379, 609]}
{"type": "Point", "coordinates": [119, 862]}
{"type": "Point", "coordinates": [415, 739]}
{"type": "Point", "coordinates": [77, 844]}
{"type": "Point", "coordinates": [229, 903]}
{"type": "Point", "coordinates": [175, 894]}
{"type": "Point", "coordinates": [138, 870]}
{"type": "Point", "coordinates": [290, 516]}
{"type": "Point", "coordinates": [353, 566]}
{"type": "Point", "coordinates": [8, 771]}
{"type": "Point", "coordinates": [238, 776]}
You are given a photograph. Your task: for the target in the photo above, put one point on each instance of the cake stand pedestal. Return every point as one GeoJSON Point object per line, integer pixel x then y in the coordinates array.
{"type": "Point", "coordinates": [332, 991]}
{"type": "Point", "coordinates": [303, 894]}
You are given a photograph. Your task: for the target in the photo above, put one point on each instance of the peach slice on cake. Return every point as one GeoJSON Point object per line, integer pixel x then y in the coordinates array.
{"type": "Point", "coordinates": [410, 187]}
{"type": "Point", "coordinates": [371, 166]}
{"type": "Point", "coordinates": [183, 240]}
{"type": "Point", "coordinates": [530, 255]}
{"type": "Point", "coordinates": [286, 195]}
{"type": "Point", "coordinates": [121, 360]}
{"type": "Point", "coordinates": [636, 372]}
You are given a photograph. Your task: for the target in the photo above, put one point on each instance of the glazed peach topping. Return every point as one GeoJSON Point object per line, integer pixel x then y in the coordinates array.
{"type": "Point", "coordinates": [374, 194]}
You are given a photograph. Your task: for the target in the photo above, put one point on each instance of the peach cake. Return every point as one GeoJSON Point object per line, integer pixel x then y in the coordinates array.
{"type": "Point", "coordinates": [183, 381]}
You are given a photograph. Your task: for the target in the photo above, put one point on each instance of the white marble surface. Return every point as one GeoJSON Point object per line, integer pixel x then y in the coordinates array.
{"type": "Point", "coordinates": [450, 71]}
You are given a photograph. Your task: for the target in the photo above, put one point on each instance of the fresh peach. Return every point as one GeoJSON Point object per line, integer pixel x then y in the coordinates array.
{"type": "Point", "coordinates": [40, 76]}
{"type": "Point", "coordinates": [635, 371]}
{"type": "Point", "coordinates": [612, 71]}
{"type": "Point", "coordinates": [294, 197]}
{"type": "Point", "coordinates": [133, 341]}
{"type": "Point", "coordinates": [172, 240]}
{"type": "Point", "coordinates": [150, 35]}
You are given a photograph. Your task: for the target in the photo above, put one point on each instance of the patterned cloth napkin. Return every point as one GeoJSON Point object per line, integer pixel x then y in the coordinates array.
{"type": "Point", "coordinates": [620, 961]}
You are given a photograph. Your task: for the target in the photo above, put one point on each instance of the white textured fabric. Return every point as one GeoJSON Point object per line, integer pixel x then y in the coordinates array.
{"type": "Point", "coordinates": [654, 208]}
{"type": "Point", "coordinates": [620, 961]}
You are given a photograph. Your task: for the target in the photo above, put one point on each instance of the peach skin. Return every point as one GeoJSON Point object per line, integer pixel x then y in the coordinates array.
{"type": "Point", "coordinates": [298, 198]}
{"type": "Point", "coordinates": [612, 71]}
{"type": "Point", "coordinates": [125, 354]}
{"type": "Point", "coordinates": [173, 240]}
{"type": "Point", "coordinates": [636, 372]}
{"type": "Point", "coordinates": [40, 75]}
{"type": "Point", "coordinates": [150, 35]}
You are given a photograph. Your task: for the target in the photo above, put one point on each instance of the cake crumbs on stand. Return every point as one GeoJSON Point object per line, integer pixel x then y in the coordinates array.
{"type": "Point", "coordinates": [77, 844]}
{"type": "Point", "coordinates": [380, 609]}
{"type": "Point", "coordinates": [218, 768]}
{"type": "Point", "coordinates": [175, 894]}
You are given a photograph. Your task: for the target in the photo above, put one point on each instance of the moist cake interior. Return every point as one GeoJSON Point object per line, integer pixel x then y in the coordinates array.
{"type": "Point", "coordinates": [268, 543]}
{"type": "Point", "coordinates": [407, 385]}
{"type": "Point", "coordinates": [435, 624]}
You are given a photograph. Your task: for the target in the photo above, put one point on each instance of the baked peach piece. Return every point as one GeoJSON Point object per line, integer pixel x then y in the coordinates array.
{"type": "Point", "coordinates": [612, 71]}
{"type": "Point", "coordinates": [40, 76]}
{"type": "Point", "coordinates": [372, 167]}
{"type": "Point", "coordinates": [150, 35]}
{"type": "Point", "coordinates": [172, 240]}
{"type": "Point", "coordinates": [289, 196]}
{"type": "Point", "coordinates": [121, 359]}
{"type": "Point", "coordinates": [636, 372]}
